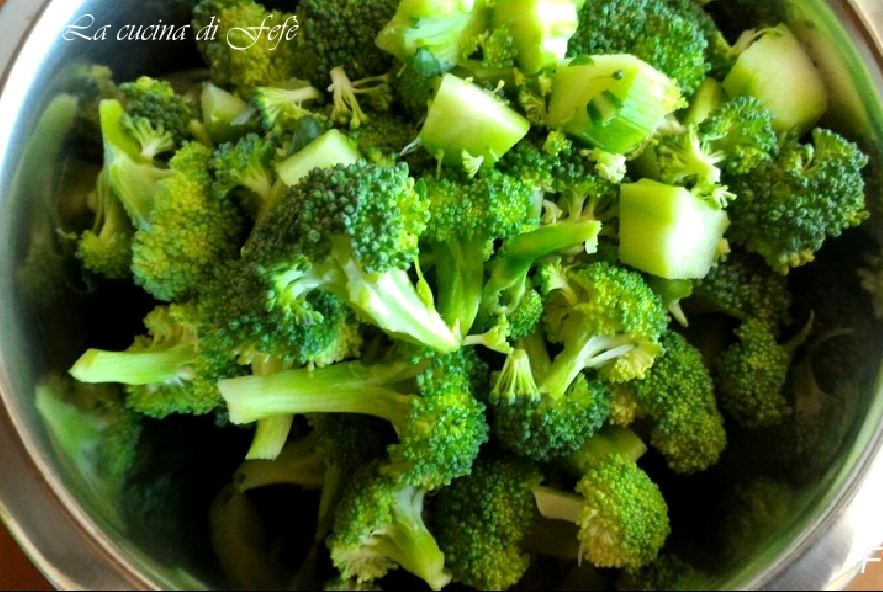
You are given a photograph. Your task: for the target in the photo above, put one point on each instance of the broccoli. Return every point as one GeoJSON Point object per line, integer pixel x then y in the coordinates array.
{"type": "Point", "coordinates": [789, 207]}
{"type": "Point", "coordinates": [163, 371]}
{"type": "Point", "coordinates": [341, 33]}
{"type": "Point", "coordinates": [750, 375]}
{"type": "Point", "coordinates": [281, 107]}
{"type": "Point", "coordinates": [679, 397]}
{"type": "Point", "coordinates": [743, 286]}
{"type": "Point", "coordinates": [188, 231]}
{"type": "Point", "coordinates": [440, 424]}
{"type": "Point", "coordinates": [106, 248]}
{"type": "Point", "coordinates": [449, 31]}
{"type": "Point", "coordinates": [94, 431]}
{"type": "Point", "coordinates": [90, 84]}
{"type": "Point", "coordinates": [363, 256]}
{"type": "Point", "coordinates": [248, 163]}
{"type": "Point", "coordinates": [481, 520]}
{"type": "Point", "coordinates": [737, 136]}
{"type": "Point", "coordinates": [156, 116]}
{"type": "Point", "coordinates": [621, 514]}
{"type": "Point", "coordinates": [657, 31]}
{"type": "Point", "coordinates": [606, 318]}
{"type": "Point", "coordinates": [236, 60]}
{"type": "Point", "coordinates": [379, 526]}
{"type": "Point", "coordinates": [465, 219]}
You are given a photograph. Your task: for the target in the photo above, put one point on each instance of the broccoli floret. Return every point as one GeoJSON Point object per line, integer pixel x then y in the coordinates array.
{"type": "Point", "coordinates": [90, 84]}
{"type": "Point", "coordinates": [94, 431]}
{"type": "Point", "coordinates": [163, 371]}
{"type": "Point", "coordinates": [750, 375]}
{"type": "Point", "coordinates": [788, 208]}
{"type": "Point", "coordinates": [281, 107]}
{"type": "Point", "coordinates": [482, 518]}
{"type": "Point", "coordinates": [379, 526]}
{"type": "Point", "coordinates": [189, 230]}
{"type": "Point", "coordinates": [440, 424]}
{"type": "Point", "coordinates": [246, 318]}
{"type": "Point", "coordinates": [622, 515]}
{"type": "Point", "coordinates": [248, 163]}
{"type": "Point", "coordinates": [465, 219]}
{"type": "Point", "coordinates": [678, 395]}
{"type": "Point", "coordinates": [341, 33]}
{"type": "Point", "coordinates": [363, 256]}
{"type": "Point", "coordinates": [737, 138]}
{"type": "Point", "coordinates": [382, 138]}
{"type": "Point", "coordinates": [106, 249]}
{"type": "Point", "coordinates": [156, 116]}
{"type": "Point", "coordinates": [345, 108]}
{"type": "Point", "coordinates": [236, 60]}
{"type": "Point", "coordinates": [607, 318]}
{"type": "Point", "coordinates": [655, 31]}
{"type": "Point", "coordinates": [534, 423]}
{"type": "Point", "coordinates": [743, 286]}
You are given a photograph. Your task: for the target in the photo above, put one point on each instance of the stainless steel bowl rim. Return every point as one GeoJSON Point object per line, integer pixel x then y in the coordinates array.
{"type": "Point", "coordinates": [72, 552]}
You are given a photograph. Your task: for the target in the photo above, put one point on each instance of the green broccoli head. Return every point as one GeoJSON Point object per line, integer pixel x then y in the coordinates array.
{"type": "Point", "coordinates": [678, 394]}
{"type": "Point", "coordinates": [378, 526]}
{"type": "Point", "coordinates": [341, 33]}
{"type": "Point", "coordinates": [788, 208]}
{"type": "Point", "coordinates": [481, 519]}
{"type": "Point", "coordinates": [189, 230]}
{"type": "Point", "coordinates": [156, 116]}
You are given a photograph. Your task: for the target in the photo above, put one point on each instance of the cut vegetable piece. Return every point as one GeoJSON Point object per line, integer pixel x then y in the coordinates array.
{"type": "Point", "coordinates": [447, 29]}
{"type": "Point", "coordinates": [776, 70]}
{"type": "Point", "coordinates": [220, 111]}
{"type": "Point", "coordinates": [329, 149]}
{"type": "Point", "coordinates": [613, 102]}
{"type": "Point", "coordinates": [667, 231]}
{"type": "Point", "coordinates": [541, 29]}
{"type": "Point", "coordinates": [466, 123]}
{"type": "Point", "coordinates": [708, 97]}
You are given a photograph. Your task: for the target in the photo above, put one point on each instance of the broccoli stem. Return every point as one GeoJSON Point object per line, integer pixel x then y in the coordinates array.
{"type": "Point", "coordinates": [269, 437]}
{"type": "Point", "coordinates": [534, 345]}
{"type": "Point", "coordinates": [559, 505]}
{"type": "Point", "coordinates": [340, 388]}
{"type": "Point", "coordinates": [579, 355]}
{"type": "Point", "coordinates": [299, 463]}
{"type": "Point", "coordinates": [509, 268]}
{"type": "Point", "coordinates": [133, 367]}
{"type": "Point", "coordinates": [392, 302]}
{"type": "Point", "coordinates": [460, 274]}
{"type": "Point", "coordinates": [605, 442]}
{"type": "Point", "coordinates": [410, 544]}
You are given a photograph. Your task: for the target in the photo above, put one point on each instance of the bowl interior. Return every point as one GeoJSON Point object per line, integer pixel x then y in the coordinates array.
{"type": "Point", "coordinates": [172, 549]}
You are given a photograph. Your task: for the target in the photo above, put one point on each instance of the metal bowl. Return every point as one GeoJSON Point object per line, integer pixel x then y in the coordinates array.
{"type": "Point", "coordinates": [76, 544]}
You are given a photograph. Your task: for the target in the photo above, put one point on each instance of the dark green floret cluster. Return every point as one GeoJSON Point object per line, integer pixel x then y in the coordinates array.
{"type": "Point", "coordinates": [461, 274]}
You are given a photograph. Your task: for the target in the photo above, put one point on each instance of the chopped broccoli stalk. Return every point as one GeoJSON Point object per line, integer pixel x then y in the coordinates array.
{"type": "Point", "coordinates": [709, 96]}
{"type": "Point", "coordinates": [449, 31]}
{"type": "Point", "coordinates": [777, 70]}
{"type": "Point", "coordinates": [224, 114]}
{"type": "Point", "coordinates": [329, 149]}
{"type": "Point", "coordinates": [466, 121]}
{"type": "Point", "coordinates": [613, 102]}
{"type": "Point", "coordinates": [668, 231]}
{"type": "Point", "coordinates": [540, 28]}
